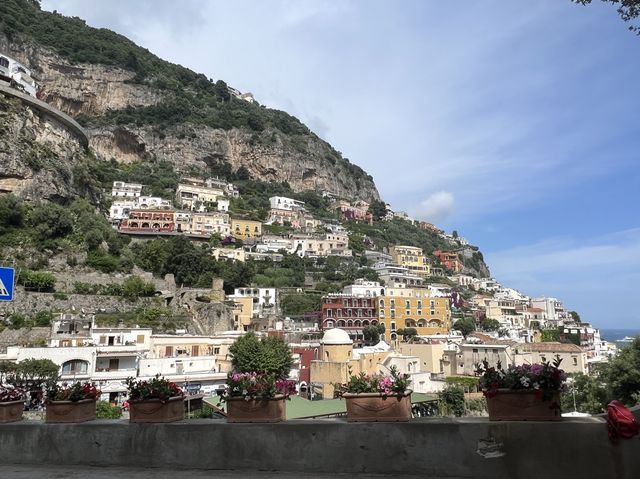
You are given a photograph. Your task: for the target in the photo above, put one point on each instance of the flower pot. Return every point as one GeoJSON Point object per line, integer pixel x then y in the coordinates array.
{"type": "Point", "coordinates": [70, 411]}
{"type": "Point", "coordinates": [256, 410]}
{"type": "Point", "coordinates": [153, 410]}
{"type": "Point", "coordinates": [522, 405]}
{"type": "Point", "coordinates": [374, 407]}
{"type": "Point", "coordinates": [11, 411]}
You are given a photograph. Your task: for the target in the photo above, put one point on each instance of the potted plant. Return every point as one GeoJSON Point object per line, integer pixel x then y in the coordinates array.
{"type": "Point", "coordinates": [155, 400]}
{"type": "Point", "coordinates": [258, 386]}
{"type": "Point", "coordinates": [11, 403]}
{"type": "Point", "coordinates": [530, 392]}
{"type": "Point", "coordinates": [377, 397]}
{"type": "Point", "coordinates": [69, 404]}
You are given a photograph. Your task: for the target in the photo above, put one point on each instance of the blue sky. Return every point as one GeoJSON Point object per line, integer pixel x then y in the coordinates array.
{"type": "Point", "coordinates": [513, 122]}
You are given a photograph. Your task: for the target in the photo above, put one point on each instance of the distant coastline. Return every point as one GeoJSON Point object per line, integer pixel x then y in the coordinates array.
{"type": "Point", "coordinates": [617, 335]}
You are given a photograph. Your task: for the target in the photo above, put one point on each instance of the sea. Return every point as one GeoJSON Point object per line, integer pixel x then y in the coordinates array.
{"type": "Point", "coordinates": [618, 335]}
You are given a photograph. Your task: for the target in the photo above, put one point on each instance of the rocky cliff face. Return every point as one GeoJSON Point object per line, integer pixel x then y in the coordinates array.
{"type": "Point", "coordinates": [39, 158]}
{"type": "Point", "coordinates": [305, 162]}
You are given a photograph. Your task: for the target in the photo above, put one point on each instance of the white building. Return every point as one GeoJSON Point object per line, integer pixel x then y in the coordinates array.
{"type": "Point", "coordinates": [553, 308]}
{"type": "Point", "coordinates": [264, 300]}
{"type": "Point", "coordinates": [394, 275]}
{"type": "Point", "coordinates": [15, 72]}
{"type": "Point", "coordinates": [365, 288]}
{"type": "Point", "coordinates": [153, 203]}
{"type": "Point", "coordinates": [330, 244]}
{"type": "Point", "coordinates": [126, 190]}
{"type": "Point", "coordinates": [284, 203]}
{"type": "Point", "coordinates": [195, 197]}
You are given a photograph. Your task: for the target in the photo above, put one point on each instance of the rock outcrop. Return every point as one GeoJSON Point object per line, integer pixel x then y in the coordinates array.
{"type": "Point", "coordinates": [91, 90]}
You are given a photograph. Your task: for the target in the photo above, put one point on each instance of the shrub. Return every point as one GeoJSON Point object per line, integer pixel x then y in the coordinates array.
{"type": "Point", "coordinates": [452, 401]}
{"type": "Point", "coordinates": [40, 281]}
{"type": "Point", "coordinates": [104, 410]}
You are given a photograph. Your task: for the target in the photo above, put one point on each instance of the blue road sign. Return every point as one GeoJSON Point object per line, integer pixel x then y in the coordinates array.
{"type": "Point", "coordinates": [7, 277]}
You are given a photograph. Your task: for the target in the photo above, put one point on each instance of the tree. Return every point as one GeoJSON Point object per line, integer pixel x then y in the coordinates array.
{"type": "Point", "coordinates": [378, 209]}
{"type": "Point", "coordinates": [451, 400]}
{"type": "Point", "coordinates": [465, 326]}
{"type": "Point", "coordinates": [296, 304]}
{"type": "Point", "coordinates": [407, 333]}
{"type": "Point", "coordinates": [43, 318]}
{"type": "Point", "coordinates": [590, 395]}
{"type": "Point", "coordinates": [575, 316]}
{"type": "Point", "coordinates": [490, 325]}
{"type": "Point", "coordinates": [135, 286]}
{"type": "Point", "coordinates": [550, 335]}
{"type": "Point", "coordinates": [628, 10]}
{"type": "Point", "coordinates": [33, 373]}
{"type": "Point", "coordinates": [269, 355]}
{"type": "Point", "coordinates": [11, 211]}
{"type": "Point", "coordinates": [50, 221]}
{"type": "Point", "coordinates": [622, 374]}
{"type": "Point", "coordinates": [371, 334]}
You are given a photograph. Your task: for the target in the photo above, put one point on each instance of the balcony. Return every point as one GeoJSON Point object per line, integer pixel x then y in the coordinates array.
{"type": "Point", "coordinates": [111, 374]}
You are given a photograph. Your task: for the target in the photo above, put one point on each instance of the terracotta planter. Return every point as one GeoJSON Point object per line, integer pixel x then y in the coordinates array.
{"type": "Point", "coordinates": [70, 411]}
{"type": "Point", "coordinates": [11, 411]}
{"type": "Point", "coordinates": [374, 407]}
{"type": "Point", "coordinates": [256, 410]}
{"type": "Point", "coordinates": [153, 410]}
{"type": "Point", "coordinates": [522, 405]}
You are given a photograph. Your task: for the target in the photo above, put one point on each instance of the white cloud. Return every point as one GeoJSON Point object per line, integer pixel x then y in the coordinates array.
{"type": "Point", "coordinates": [590, 276]}
{"type": "Point", "coordinates": [435, 208]}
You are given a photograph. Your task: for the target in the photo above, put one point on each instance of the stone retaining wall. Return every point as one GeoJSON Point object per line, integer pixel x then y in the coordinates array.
{"type": "Point", "coordinates": [435, 448]}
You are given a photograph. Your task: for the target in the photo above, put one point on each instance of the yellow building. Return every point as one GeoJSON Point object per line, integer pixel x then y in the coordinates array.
{"type": "Point", "coordinates": [431, 355]}
{"type": "Point", "coordinates": [242, 312]}
{"type": "Point", "coordinates": [245, 229]}
{"type": "Point", "coordinates": [412, 258]}
{"type": "Point", "coordinates": [338, 361]}
{"type": "Point", "coordinates": [402, 308]}
{"type": "Point", "coordinates": [207, 224]}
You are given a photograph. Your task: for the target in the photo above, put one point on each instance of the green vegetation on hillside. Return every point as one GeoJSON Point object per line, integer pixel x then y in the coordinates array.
{"type": "Point", "coordinates": [188, 97]}
{"type": "Point", "coordinates": [397, 231]}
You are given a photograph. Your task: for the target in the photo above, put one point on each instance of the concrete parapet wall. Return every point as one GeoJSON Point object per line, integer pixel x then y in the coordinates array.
{"type": "Point", "coordinates": [436, 448]}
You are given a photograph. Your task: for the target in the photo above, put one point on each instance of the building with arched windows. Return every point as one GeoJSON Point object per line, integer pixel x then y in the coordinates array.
{"type": "Point", "coordinates": [350, 313]}
{"type": "Point", "coordinates": [418, 308]}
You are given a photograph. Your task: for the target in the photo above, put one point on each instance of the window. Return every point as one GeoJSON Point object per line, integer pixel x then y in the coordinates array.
{"type": "Point", "coordinates": [140, 339]}
{"type": "Point", "coordinates": [407, 304]}
{"type": "Point", "coordinates": [382, 304]}
{"type": "Point", "coordinates": [216, 350]}
{"type": "Point", "coordinates": [329, 313]}
{"type": "Point", "coordinates": [75, 366]}
{"type": "Point", "coordinates": [575, 360]}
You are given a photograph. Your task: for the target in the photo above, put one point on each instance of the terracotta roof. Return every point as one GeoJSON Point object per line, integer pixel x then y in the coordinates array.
{"type": "Point", "coordinates": [535, 310]}
{"type": "Point", "coordinates": [552, 347]}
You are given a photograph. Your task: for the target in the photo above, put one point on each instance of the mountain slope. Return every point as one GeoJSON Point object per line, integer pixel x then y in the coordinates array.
{"type": "Point", "coordinates": [138, 107]}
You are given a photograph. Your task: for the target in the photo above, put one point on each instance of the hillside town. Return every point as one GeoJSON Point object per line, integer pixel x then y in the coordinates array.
{"type": "Point", "coordinates": [415, 317]}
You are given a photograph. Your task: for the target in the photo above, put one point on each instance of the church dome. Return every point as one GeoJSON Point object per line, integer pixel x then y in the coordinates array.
{"type": "Point", "coordinates": [336, 336]}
